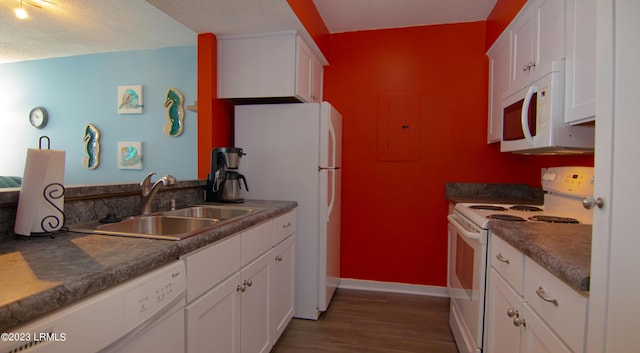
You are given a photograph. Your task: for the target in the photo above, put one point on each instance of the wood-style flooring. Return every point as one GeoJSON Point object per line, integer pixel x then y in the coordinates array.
{"type": "Point", "coordinates": [365, 321]}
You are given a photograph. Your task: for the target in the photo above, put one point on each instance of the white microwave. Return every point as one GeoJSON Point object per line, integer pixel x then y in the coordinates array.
{"type": "Point", "coordinates": [533, 119]}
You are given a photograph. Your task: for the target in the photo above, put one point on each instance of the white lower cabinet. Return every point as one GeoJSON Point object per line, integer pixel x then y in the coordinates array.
{"type": "Point", "coordinates": [255, 334]}
{"type": "Point", "coordinates": [283, 296]}
{"type": "Point", "coordinates": [213, 321]}
{"type": "Point", "coordinates": [243, 304]}
{"type": "Point", "coordinates": [529, 310]}
{"type": "Point", "coordinates": [502, 301]}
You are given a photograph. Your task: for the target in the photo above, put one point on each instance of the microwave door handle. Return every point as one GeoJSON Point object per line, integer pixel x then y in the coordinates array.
{"type": "Point", "coordinates": [524, 116]}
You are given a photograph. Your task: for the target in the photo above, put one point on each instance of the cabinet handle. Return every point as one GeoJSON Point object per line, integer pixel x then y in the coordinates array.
{"type": "Point", "coordinates": [241, 289]}
{"type": "Point", "coordinates": [501, 258]}
{"type": "Point", "coordinates": [541, 293]}
{"type": "Point", "coordinates": [279, 258]}
{"type": "Point", "coordinates": [248, 283]}
{"type": "Point", "coordinates": [286, 225]}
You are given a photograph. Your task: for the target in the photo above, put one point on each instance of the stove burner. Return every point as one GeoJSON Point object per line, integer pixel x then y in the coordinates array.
{"type": "Point", "coordinates": [488, 207]}
{"type": "Point", "coordinates": [506, 217]}
{"type": "Point", "coordinates": [553, 219]}
{"type": "Point", "coordinates": [525, 208]}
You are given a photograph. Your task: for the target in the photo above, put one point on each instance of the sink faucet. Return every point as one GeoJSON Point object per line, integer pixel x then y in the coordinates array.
{"type": "Point", "coordinates": [148, 191]}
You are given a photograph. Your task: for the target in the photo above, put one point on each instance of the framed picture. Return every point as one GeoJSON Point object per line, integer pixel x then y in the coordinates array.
{"type": "Point", "coordinates": [129, 155]}
{"type": "Point", "coordinates": [130, 99]}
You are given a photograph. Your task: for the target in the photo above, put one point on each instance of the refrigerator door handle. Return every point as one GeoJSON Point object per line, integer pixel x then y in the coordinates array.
{"type": "Point", "coordinates": [332, 135]}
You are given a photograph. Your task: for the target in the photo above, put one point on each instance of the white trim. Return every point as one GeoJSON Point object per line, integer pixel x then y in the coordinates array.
{"type": "Point", "coordinates": [393, 287]}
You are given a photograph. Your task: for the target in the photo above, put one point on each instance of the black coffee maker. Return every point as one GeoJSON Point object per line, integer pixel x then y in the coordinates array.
{"type": "Point", "coordinates": [225, 183]}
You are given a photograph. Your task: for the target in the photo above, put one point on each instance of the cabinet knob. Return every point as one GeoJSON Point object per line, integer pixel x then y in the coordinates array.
{"type": "Point", "coordinates": [241, 288]}
{"type": "Point", "coordinates": [530, 65]}
{"type": "Point", "coordinates": [517, 321]}
{"type": "Point", "coordinates": [279, 258]}
{"type": "Point", "coordinates": [501, 258]}
{"type": "Point", "coordinates": [248, 283]}
{"type": "Point", "coordinates": [511, 312]}
{"type": "Point", "coordinates": [591, 202]}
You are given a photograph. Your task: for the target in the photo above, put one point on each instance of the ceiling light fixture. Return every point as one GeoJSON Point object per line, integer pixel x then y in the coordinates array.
{"type": "Point", "coordinates": [21, 13]}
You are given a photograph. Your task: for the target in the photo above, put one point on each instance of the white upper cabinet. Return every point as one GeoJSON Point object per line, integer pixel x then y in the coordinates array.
{"type": "Point", "coordinates": [580, 104]}
{"type": "Point", "coordinates": [499, 63]}
{"type": "Point", "coordinates": [269, 65]}
{"type": "Point", "coordinates": [542, 32]}
{"type": "Point", "coordinates": [538, 39]}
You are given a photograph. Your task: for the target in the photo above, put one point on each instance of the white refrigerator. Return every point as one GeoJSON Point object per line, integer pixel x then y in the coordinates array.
{"type": "Point", "coordinates": [294, 152]}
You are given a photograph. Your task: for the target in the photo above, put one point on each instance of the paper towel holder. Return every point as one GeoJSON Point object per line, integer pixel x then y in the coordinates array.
{"type": "Point", "coordinates": [43, 137]}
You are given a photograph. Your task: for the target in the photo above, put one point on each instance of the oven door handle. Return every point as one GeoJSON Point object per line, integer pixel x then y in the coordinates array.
{"type": "Point", "coordinates": [454, 222]}
{"type": "Point", "coordinates": [524, 115]}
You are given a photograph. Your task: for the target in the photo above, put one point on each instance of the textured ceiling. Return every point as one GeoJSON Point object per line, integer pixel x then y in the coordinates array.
{"type": "Point", "coordinates": [75, 27]}
{"type": "Point", "coordinates": [358, 15]}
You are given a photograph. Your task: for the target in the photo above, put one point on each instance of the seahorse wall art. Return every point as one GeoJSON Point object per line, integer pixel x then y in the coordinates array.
{"type": "Point", "coordinates": [175, 112]}
{"type": "Point", "coordinates": [92, 147]}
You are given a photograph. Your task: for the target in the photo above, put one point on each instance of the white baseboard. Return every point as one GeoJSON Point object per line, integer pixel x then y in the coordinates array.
{"type": "Point", "coordinates": [393, 287]}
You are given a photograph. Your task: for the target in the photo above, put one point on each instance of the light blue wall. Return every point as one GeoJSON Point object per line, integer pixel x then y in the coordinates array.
{"type": "Point", "coordinates": [83, 89]}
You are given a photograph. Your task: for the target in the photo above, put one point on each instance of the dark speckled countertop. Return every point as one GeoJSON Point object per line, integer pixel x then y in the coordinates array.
{"type": "Point", "coordinates": [40, 275]}
{"type": "Point", "coordinates": [562, 249]}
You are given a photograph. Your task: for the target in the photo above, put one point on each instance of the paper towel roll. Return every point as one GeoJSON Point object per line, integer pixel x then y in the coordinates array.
{"type": "Point", "coordinates": [41, 198]}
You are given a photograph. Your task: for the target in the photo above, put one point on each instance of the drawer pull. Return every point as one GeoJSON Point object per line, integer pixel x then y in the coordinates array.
{"type": "Point", "coordinates": [501, 258]}
{"type": "Point", "coordinates": [286, 225]}
{"type": "Point", "coordinates": [541, 293]}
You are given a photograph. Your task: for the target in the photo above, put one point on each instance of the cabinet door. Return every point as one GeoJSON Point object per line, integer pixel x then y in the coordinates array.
{"type": "Point", "coordinates": [317, 80]}
{"type": "Point", "coordinates": [255, 314]}
{"type": "Point", "coordinates": [213, 320]}
{"type": "Point", "coordinates": [523, 51]}
{"type": "Point", "coordinates": [304, 67]}
{"type": "Point", "coordinates": [499, 64]}
{"type": "Point", "coordinates": [549, 35]}
{"type": "Point", "coordinates": [501, 333]}
{"type": "Point", "coordinates": [581, 61]}
{"type": "Point", "coordinates": [282, 287]}
{"type": "Point", "coordinates": [538, 337]}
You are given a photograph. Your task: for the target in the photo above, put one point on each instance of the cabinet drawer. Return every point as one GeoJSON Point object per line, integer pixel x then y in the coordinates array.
{"type": "Point", "coordinates": [209, 266]}
{"type": "Point", "coordinates": [284, 226]}
{"type": "Point", "coordinates": [508, 262]}
{"type": "Point", "coordinates": [567, 317]}
{"type": "Point", "coordinates": [255, 242]}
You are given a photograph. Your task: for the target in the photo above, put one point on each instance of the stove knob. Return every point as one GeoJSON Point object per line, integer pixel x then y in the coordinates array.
{"type": "Point", "coordinates": [590, 202]}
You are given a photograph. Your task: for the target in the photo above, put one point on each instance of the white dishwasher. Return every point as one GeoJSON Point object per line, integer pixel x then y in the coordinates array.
{"type": "Point", "coordinates": [144, 314]}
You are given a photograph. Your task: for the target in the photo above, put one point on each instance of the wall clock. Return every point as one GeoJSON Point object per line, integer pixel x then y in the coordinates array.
{"type": "Point", "coordinates": [38, 117]}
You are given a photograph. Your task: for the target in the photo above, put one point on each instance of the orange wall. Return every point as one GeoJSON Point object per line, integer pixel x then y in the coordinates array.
{"type": "Point", "coordinates": [394, 213]}
{"type": "Point", "coordinates": [215, 120]}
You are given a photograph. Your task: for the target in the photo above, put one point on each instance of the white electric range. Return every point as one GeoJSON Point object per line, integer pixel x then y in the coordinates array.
{"type": "Point", "coordinates": [565, 189]}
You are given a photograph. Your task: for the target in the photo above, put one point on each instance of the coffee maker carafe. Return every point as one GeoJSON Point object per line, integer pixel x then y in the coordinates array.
{"type": "Point", "coordinates": [225, 183]}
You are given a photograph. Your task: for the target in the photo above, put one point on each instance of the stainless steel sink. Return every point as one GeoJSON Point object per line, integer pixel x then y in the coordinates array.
{"type": "Point", "coordinates": [213, 212]}
{"type": "Point", "coordinates": [169, 225]}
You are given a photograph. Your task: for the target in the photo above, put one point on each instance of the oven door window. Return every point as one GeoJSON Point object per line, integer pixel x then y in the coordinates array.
{"type": "Point", "coordinates": [512, 126]}
{"type": "Point", "coordinates": [465, 259]}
